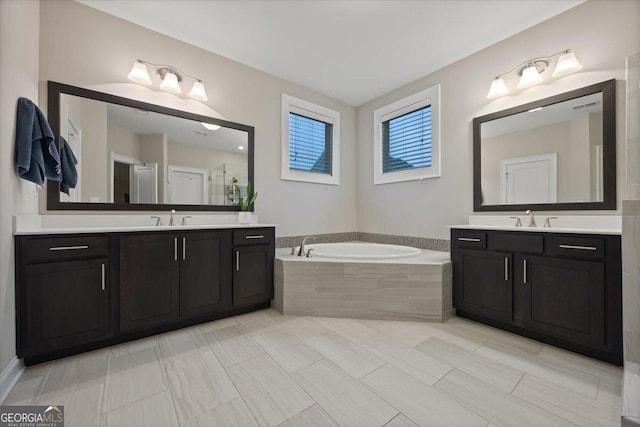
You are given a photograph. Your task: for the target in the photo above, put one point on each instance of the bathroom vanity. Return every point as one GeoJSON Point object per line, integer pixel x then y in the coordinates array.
{"type": "Point", "coordinates": [81, 291]}
{"type": "Point", "coordinates": [562, 288]}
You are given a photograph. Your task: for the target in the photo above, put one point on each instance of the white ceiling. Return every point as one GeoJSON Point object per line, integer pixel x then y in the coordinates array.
{"type": "Point", "coordinates": [353, 51]}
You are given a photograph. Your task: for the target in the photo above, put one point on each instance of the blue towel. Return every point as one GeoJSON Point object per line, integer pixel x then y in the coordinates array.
{"type": "Point", "coordinates": [68, 164]}
{"type": "Point", "coordinates": [36, 153]}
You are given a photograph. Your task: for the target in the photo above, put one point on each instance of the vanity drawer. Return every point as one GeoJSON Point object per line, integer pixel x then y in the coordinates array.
{"type": "Point", "coordinates": [470, 239]}
{"type": "Point", "coordinates": [518, 242]}
{"type": "Point", "coordinates": [576, 247]}
{"type": "Point", "coordinates": [49, 249]}
{"type": "Point", "coordinates": [252, 236]}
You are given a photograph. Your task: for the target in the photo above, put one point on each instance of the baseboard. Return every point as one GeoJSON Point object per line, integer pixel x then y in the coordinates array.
{"type": "Point", "coordinates": [10, 377]}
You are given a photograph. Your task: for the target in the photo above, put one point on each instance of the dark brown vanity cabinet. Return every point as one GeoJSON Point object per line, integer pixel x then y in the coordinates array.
{"type": "Point", "coordinates": [563, 289]}
{"type": "Point", "coordinates": [76, 293]}
{"type": "Point", "coordinates": [166, 277]}
{"type": "Point", "coordinates": [64, 290]}
{"type": "Point", "coordinates": [253, 254]}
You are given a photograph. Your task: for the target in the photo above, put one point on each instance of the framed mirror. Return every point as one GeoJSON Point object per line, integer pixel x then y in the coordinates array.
{"type": "Point", "coordinates": [132, 155]}
{"type": "Point", "coordinates": [558, 153]}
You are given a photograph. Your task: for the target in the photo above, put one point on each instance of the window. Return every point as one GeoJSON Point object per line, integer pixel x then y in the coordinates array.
{"type": "Point", "coordinates": [310, 142]}
{"type": "Point", "coordinates": [407, 138]}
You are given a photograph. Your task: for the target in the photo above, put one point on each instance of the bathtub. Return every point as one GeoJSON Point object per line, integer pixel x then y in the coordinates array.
{"type": "Point", "coordinates": [364, 281]}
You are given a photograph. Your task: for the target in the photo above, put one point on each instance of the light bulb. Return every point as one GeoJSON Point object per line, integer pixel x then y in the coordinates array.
{"type": "Point", "coordinates": [198, 92]}
{"type": "Point", "coordinates": [567, 64]}
{"type": "Point", "coordinates": [170, 83]}
{"type": "Point", "coordinates": [530, 77]}
{"type": "Point", "coordinates": [209, 126]}
{"type": "Point", "coordinates": [498, 89]}
{"type": "Point", "coordinates": [139, 74]}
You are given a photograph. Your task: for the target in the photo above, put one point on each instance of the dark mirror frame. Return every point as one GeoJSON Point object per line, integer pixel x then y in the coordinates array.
{"type": "Point", "coordinates": [608, 89]}
{"type": "Point", "coordinates": [53, 188]}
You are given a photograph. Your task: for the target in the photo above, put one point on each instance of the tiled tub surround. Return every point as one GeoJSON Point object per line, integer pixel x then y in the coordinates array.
{"type": "Point", "coordinates": [631, 310]}
{"type": "Point", "coordinates": [417, 288]}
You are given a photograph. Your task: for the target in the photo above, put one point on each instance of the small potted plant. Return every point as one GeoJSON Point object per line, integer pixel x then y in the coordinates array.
{"type": "Point", "coordinates": [245, 204]}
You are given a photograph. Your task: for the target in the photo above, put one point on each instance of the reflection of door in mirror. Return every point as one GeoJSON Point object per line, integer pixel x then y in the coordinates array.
{"type": "Point", "coordinates": [143, 183]}
{"type": "Point", "coordinates": [529, 180]}
{"type": "Point", "coordinates": [73, 134]}
{"type": "Point", "coordinates": [188, 186]}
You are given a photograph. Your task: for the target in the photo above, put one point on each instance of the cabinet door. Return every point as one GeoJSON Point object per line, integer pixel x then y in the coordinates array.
{"type": "Point", "coordinates": [252, 275]}
{"type": "Point", "coordinates": [564, 298]}
{"type": "Point", "coordinates": [67, 304]}
{"type": "Point", "coordinates": [205, 273]}
{"type": "Point", "coordinates": [149, 274]}
{"type": "Point", "coordinates": [483, 284]}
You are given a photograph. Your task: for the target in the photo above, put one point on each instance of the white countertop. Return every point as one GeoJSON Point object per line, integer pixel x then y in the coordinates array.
{"type": "Point", "coordinates": [74, 224]}
{"type": "Point", "coordinates": [576, 230]}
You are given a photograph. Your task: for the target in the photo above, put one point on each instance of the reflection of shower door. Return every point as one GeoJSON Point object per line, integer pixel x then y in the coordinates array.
{"type": "Point", "coordinates": [188, 186]}
{"type": "Point", "coordinates": [144, 183]}
{"type": "Point", "coordinates": [529, 180]}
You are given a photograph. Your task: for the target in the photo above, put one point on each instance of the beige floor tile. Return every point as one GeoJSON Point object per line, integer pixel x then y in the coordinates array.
{"type": "Point", "coordinates": [412, 361]}
{"type": "Point", "coordinates": [314, 416]}
{"type": "Point", "coordinates": [272, 396]}
{"type": "Point", "coordinates": [304, 328]}
{"type": "Point", "coordinates": [286, 349]}
{"type": "Point", "coordinates": [198, 383]}
{"type": "Point", "coordinates": [181, 343]}
{"type": "Point", "coordinates": [573, 380]}
{"type": "Point", "coordinates": [81, 406]}
{"type": "Point", "coordinates": [346, 400]}
{"type": "Point", "coordinates": [233, 413]}
{"type": "Point", "coordinates": [133, 346]}
{"type": "Point", "coordinates": [578, 362]}
{"type": "Point", "coordinates": [496, 374]}
{"type": "Point", "coordinates": [72, 373]}
{"type": "Point", "coordinates": [410, 333]}
{"type": "Point", "coordinates": [351, 329]}
{"type": "Point", "coordinates": [232, 345]}
{"type": "Point", "coordinates": [217, 324]}
{"type": "Point", "coordinates": [132, 377]}
{"type": "Point", "coordinates": [152, 411]}
{"type": "Point", "coordinates": [401, 420]}
{"type": "Point", "coordinates": [347, 355]}
{"type": "Point", "coordinates": [495, 405]}
{"type": "Point", "coordinates": [28, 386]}
{"type": "Point", "coordinates": [454, 334]}
{"type": "Point", "coordinates": [610, 393]}
{"type": "Point", "coordinates": [419, 402]}
{"type": "Point", "coordinates": [255, 321]}
{"type": "Point", "coordinates": [564, 403]}
{"type": "Point", "coordinates": [497, 335]}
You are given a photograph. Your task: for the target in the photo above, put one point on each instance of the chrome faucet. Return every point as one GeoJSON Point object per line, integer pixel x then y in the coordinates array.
{"type": "Point", "coordinates": [532, 218]}
{"type": "Point", "coordinates": [158, 220]}
{"type": "Point", "coordinates": [518, 222]}
{"type": "Point", "coordinates": [301, 250]}
{"type": "Point", "coordinates": [184, 219]}
{"type": "Point", "coordinates": [547, 222]}
{"type": "Point", "coordinates": [172, 212]}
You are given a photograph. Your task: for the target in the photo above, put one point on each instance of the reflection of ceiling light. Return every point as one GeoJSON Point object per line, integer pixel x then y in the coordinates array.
{"type": "Point", "coordinates": [240, 147]}
{"type": "Point", "coordinates": [171, 78]}
{"type": "Point", "coordinates": [531, 70]}
{"type": "Point", "coordinates": [533, 110]}
{"type": "Point", "coordinates": [209, 126]}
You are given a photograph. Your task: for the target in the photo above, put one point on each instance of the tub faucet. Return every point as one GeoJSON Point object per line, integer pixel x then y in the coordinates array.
{"type": "Point", "coordinates": [301, 250]}
{"type": "Point", "coordinates": [172, 212]}
{"type": "Point", "coordinates": [532, 218]}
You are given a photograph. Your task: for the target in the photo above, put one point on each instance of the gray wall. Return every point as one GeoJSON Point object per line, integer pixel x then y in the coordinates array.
{"type": "Point", "coordinates": [602, 34]}
{"type": "Point", "coordinates": [18, 77]}
{"type": "Point", "coordinates": [84, 47]}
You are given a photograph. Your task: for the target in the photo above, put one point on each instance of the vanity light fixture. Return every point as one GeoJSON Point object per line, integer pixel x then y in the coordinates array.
{"type": "Point", "coordinates": [531, 71]}
{"type": "Point", "coordinates": [240, 147]}
{"type": "Point", "coordinates": [171, 78]}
